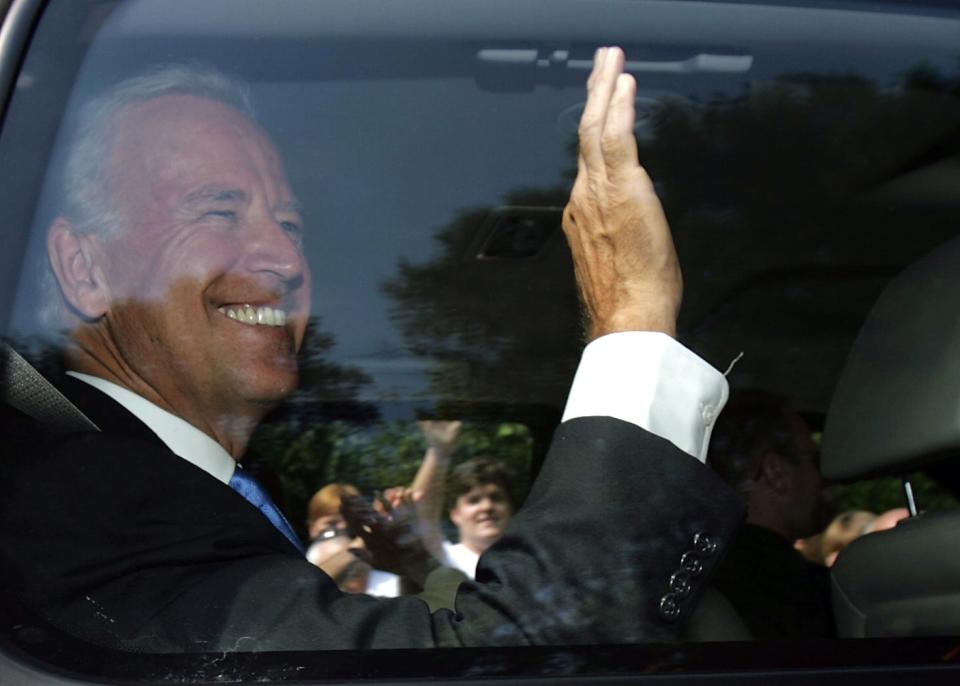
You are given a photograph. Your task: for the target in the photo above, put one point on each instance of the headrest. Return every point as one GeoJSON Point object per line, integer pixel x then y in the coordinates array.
{"type": "Point", "coordinates": [897, 403]}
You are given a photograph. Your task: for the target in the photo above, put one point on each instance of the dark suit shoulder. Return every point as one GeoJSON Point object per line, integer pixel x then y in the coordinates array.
{"type": "Point", "coordinates": [100, 525]}
{"type": "Point", "coordinates": [133, 547]}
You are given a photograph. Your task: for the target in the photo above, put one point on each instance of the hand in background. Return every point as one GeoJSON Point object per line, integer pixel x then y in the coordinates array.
{"type": "Point", "coordinates": [441, 434]}
{"type": "Point", "coordinates": [390, 536]}
{"type": "Point", "coordinates": [429, 487]}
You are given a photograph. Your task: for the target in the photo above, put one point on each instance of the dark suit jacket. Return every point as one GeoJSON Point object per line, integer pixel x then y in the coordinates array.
{"type": "Point", "coordinates": [116, 540]}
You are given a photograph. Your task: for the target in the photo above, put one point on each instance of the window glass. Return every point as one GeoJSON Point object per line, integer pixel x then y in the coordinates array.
{"type": "Point", "coordinates": [805, 155]}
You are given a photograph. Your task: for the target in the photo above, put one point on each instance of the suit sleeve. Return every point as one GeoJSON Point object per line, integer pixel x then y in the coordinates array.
{"type": "Point", "coordinates": [613, 545]}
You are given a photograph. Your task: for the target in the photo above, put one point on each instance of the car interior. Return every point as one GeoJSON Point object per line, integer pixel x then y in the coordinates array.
{"type": "Point", "coordinates": [894, 411]}
{"type": "Point", "coordinates": [808, 159]}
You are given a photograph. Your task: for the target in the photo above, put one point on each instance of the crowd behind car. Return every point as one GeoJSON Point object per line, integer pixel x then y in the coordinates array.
{"type": "Point", "coordinates": [776, 574]}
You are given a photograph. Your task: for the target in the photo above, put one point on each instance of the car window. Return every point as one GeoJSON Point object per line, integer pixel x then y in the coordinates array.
{"type": "Point", "coordinates": [416, 159]}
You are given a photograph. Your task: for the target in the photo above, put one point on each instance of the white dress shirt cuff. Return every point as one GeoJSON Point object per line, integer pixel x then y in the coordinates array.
{"type": "Point", "coordinates": [649, 379]}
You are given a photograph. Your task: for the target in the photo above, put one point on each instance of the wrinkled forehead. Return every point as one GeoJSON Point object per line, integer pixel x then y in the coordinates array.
{"type": "Point", "coordinates": [146, 134]}
{"type": "Point", "coordinates": [180, 112]}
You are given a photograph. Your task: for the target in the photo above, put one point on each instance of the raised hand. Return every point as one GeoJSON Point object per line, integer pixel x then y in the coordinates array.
{"type": "Point", "coordinates": [390, 536]}
{"type": "Point", "coordinates": [441, 434]}
{"type": "Point", "coordinates": [623, 254]}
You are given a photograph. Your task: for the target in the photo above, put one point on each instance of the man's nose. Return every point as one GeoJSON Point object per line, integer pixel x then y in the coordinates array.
{"type": "Point", "coordinates": [272, 248]}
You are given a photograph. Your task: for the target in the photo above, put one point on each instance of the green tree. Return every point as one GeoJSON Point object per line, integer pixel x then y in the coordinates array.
{"type": "Point", "coordinates": [880, 495]}
{"type": "Point", "coordinates": [781, 253]}
{"type": "Point", "coordinates": [293, 450]}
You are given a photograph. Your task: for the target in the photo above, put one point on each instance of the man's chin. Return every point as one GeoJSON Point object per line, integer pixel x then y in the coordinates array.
{"type": "Point", "coordinates": [267, 391]}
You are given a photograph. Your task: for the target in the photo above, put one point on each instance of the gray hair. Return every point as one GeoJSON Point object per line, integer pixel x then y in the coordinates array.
{"type": "Point", "coordinates": [84, 196]}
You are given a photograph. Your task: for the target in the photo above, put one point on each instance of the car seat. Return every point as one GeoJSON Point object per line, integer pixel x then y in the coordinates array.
{"type": "Point", "coordinates": [715, 619]}
{"type": "Point", "coordinates": [896, 409]}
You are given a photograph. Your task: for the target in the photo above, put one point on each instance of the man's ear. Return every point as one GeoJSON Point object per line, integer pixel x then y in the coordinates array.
{"type": "Point", "coordinates": [455, 516]}
{"type": "Point", "coordinates": [74, 263]}
{"type": "Point", "coordinates": [774, 471]}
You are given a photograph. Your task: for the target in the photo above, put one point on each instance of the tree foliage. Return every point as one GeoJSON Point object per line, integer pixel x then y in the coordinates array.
{"type": "Point", "coordinates": [880, 495]}
{"type": "Point", "coordinates": [323, 434]}
{"type": "Point", "coordinates": [781, 251]}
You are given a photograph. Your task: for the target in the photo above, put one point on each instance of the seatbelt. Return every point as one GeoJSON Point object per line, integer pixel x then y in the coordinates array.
{"type": "Point", "coordinates": [27, 390]}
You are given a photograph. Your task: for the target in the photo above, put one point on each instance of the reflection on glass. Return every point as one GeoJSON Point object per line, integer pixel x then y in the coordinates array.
{"type": "Point", "coordinates": [415, 226]}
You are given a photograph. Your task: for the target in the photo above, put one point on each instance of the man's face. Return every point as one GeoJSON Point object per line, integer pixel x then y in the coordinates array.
{"type": "Point", "coordinates": [481, 515]}
{"type": "Point", "coordinates": [806, 503]}
{"type": "Point", "coordinates": [209, 289]}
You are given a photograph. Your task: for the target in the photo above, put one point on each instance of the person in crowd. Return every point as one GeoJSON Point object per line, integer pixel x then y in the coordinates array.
{"type": "Point", "coordinates": [338, 546]}
{"type": "Point", "coordinates": [337, 549]}
{"type": "Point", "coordinates": [481, 507]}
{"type": "Point", "coordinates": [764, 450]}
{"type": "Point", "coordinates": [181, 282]}
{"type": "Point", "coordinates": [477, 491]}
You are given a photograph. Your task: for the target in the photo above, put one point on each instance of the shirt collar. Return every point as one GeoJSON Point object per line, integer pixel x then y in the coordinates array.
{"type": "Point", "coordinates": [183, 438]}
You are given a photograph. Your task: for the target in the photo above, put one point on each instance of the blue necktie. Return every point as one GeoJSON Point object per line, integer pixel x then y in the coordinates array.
{"type": "Point", "coordinates": [247, 486]}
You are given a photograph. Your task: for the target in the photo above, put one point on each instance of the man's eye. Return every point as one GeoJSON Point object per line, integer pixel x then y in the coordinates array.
{"type": "Point", "coordinates": [228, 215]}
{"type": "Point", "coordinates": [293, 228]}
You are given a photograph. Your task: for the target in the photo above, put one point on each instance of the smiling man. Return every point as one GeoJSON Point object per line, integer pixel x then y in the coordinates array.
{"type": "Point", "coordinates": [180, 278]}
{"type": "Point", "coordinates": [200, 303]}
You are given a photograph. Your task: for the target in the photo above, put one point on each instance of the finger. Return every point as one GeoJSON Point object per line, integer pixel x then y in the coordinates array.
{"type": "Point", "coordinates": [599, 56]}
{"type": "Point", "coordinates": [608, 64]}
{"type": "Point", "coordinates": [599, 90]}
{"type": "Point", "coordinates": [396, 497]}
{"type": "Point", "coordinates": [594, 111]}
{"type": "Point", "coordinates": [451, 432]}
{"type": "Point", "coordinates": [618, 142]}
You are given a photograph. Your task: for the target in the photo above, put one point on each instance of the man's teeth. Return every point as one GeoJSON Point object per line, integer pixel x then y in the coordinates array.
{"type": "Point", "coordinates": [263, 316]}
